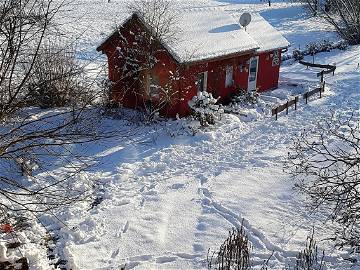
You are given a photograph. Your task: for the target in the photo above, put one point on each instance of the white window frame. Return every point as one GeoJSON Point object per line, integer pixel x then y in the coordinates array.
{"type": "Point", "coordinates": [252, 85]}
{"type": "Point", "coordinates": [204, 83]}
{"type": "Point", "coordinates": [229, 82]}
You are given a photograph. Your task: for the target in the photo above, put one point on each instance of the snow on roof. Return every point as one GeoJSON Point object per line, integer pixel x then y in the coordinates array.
{"type": "Point", "coordinates": [265, 35]}
{"type": "Point", "coordinates": [208, 33]}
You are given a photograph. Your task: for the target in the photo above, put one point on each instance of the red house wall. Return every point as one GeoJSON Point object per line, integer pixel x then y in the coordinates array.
{"type": "Point", "coordinates": [128, 91]}
{"type": "Point", "coordinates": [216, 79]}
{"type": "Point", "coordinates": [268, 75]}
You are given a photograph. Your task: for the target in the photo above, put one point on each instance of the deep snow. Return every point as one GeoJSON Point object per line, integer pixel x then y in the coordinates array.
{"type": "Point", "coordinates": [170, 198]}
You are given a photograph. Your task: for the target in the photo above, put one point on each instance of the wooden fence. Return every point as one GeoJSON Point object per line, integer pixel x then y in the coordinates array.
{"type": "Point", "coordinates": [319, 90]}
{"type": "Point", "coordinates": [285, 106]}
{"type": "Point", "coordinates": [295, 101]}
{"type": "Point", "coordinates": [327, 69]}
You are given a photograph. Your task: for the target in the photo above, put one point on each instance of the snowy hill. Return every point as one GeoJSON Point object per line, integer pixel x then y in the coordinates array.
{"type": "Point", "coordinates": [165, 202]}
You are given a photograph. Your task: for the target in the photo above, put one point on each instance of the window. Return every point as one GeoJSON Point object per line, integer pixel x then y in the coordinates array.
{"type": "Point", "coordinates": [154, 87]}
{"type": "Point", "coordinates": [202, 81]}
{"type": "Point", "coordinates": [253, 69]}
{"type": "Point", "coordinates": [229, 79]}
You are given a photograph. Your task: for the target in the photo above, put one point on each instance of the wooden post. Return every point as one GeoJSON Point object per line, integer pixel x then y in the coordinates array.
{"type": "Point", "coordinates": [296, 101]}
{"type": "Point", "coordinates": [287, 107]}
{"type": "Point", "coordinates": [276, 113]}
{"type": "Point", "coordinates": [322, 76]}
{"type": "Point", "coordinates": [306, 97]}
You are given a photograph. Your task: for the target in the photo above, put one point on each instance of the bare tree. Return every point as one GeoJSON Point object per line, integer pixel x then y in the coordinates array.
{"type": "Point", "coordinates": [23, 27]}
{"type": "Point", "coordinates": [34, 144]}
{"type": "Point", "coordinates": [326, 162]}
{"type": "Point", "coordinates": [154, 26]}
{"type": "Point", "coordinates": [344, 15]}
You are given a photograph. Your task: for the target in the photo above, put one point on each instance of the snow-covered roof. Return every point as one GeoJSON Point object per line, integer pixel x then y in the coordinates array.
{"type": "Point", "coordinates": [208, 33]}
{"type": "Point", "coordinates": [265, 35]}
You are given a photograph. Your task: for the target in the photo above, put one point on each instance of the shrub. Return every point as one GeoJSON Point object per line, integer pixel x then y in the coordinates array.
{"type": "Point", "coordinates": [204, 108]}
{"type": "Point", "coordinates": [245, 97]}
{"type": "Point", "coordinates": [234, 253]}
{"type": "Point", "coordinates": [57, 79]}
{"type": "Point", "coordinates": [310, 258]}
{"type": "Point", "coordinates": [298, 55]}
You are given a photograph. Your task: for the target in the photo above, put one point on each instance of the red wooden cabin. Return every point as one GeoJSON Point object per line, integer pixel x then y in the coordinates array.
{"type": "Point", "coordinates": [213, 53]}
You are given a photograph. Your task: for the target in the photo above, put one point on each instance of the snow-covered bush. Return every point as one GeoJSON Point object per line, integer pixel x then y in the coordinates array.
{"type": "Point", "coordinates": [298, 55]}
{"type": "Point", "coordinates": [314, 48]}
{"type": "Point", "coordinates": [245, 97]}
{"type": "Point", "coordinates": [204, 108]}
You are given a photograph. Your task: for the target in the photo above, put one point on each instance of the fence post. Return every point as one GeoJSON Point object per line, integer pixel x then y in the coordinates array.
{"type": "Point", "coordinates": [287, 107]}
{"type": "Point", "coordinates": [322, 75]}
{"type": "Point", "coordinates": [276, 113]}
{"type": "Point", "coordinates": [296, 101]}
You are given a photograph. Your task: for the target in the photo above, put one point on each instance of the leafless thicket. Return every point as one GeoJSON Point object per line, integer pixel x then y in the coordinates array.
{"type": "Point", "coordinates": [344, 15]}
{"type": "Point", "coordinates": [35, 144]}
{"type": "Point", "coordinates": [326, 162]}
{"type": "Point", "coordinates": [234, 253]}
{"type": "Point", "coordinates": [139, 58]}
{"type": "Point", "coordinates": [311, 258]}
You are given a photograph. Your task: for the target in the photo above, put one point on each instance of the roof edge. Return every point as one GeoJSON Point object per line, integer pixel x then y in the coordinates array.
{"type": "Point", "coordinates": [100, 48]}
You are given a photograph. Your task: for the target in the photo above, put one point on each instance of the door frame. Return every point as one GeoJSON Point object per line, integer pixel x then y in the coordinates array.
{"type": "Point", "coordinates": [250, 88]}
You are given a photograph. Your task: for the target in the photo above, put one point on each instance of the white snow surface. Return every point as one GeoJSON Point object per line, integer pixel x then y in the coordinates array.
{"type": "Point", "coordinates": [170, 198]}
{"type": "Point", "coordinates": [265, 35]}
{"type": "Point", "coordinates": [207, 33]}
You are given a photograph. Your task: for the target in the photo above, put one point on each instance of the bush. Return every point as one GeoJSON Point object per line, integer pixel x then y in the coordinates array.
{"type": "Point", "coordinates": [310, 258]}
{"type": "Point", "coordinates": [57, 79]}
{"type": "Point", "coordinates": [245, 97]}
{"type": "Point", "coordinates": [298, 55]}
{"type": "Point", "coordinates": [234, 253]}
{"type": "Point", "coordinates": [204, 108]}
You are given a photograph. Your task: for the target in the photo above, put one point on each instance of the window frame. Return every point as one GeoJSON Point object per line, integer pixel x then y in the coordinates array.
{"type": "Point", "coordinates": [205, 81]}
{"type": "Point", "coordinates": [229, 70]}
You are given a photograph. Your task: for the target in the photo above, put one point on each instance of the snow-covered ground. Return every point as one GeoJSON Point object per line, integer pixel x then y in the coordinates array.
{"type": "Point", "coordinates": [169, 199]}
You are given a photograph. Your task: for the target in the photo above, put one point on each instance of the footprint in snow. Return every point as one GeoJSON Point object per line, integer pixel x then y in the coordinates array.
{"type": "Point", "coordinates": [115, 253]}
{"type": "Point", "coordinates": [126, 226]}
{"type": "Point", "coordinates": [178, 186]}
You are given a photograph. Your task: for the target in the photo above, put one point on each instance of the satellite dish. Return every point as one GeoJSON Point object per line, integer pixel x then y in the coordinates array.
{"type": "Point", "coordinates": [245, 19]}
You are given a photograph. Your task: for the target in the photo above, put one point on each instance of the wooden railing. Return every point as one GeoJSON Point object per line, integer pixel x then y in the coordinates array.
{"type": "Point", "coordinates": [295, 100]}
{"type": "Point", "coordinates": [327, 69]}
{"type": "Point", "coordinates": [285, 106]}
{"type": "Point", "coordinates": [320, 90]}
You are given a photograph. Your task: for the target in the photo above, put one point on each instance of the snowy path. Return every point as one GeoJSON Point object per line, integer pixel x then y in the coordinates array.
{"type": "Point", "coordinates": [165, 210]}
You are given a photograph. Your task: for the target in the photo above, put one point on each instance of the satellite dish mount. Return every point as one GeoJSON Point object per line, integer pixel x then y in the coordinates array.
{"type": "Point", "coordinates": [245, 19]}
